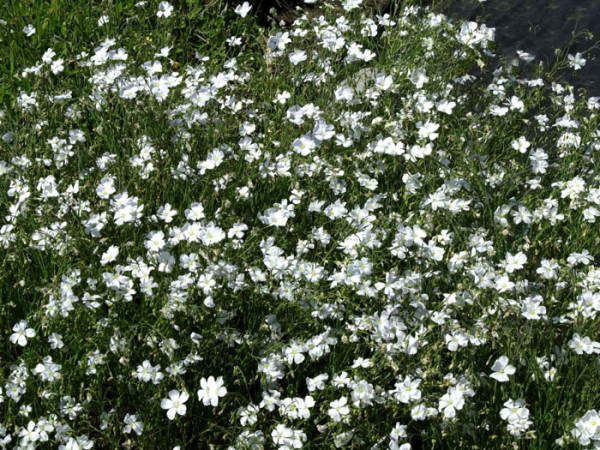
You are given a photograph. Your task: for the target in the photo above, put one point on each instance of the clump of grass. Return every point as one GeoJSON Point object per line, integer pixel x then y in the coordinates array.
{"type": "Point", "coordinates": [344, 233]}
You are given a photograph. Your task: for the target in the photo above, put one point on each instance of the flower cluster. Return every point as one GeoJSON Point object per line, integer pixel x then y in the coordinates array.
{"type": "Point", "coordinates": [517, 416]}
{"type": "Point", "coordinates": [366, 238]}
{"type": "Point", "coordinates": [587, 429]}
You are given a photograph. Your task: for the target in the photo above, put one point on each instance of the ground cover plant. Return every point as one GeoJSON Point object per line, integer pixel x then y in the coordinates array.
{"type": "Point", "coordinates": [347, 232]}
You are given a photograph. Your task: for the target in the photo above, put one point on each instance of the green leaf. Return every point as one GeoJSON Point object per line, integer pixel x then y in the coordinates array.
{"type": "Point", "coordinates": [26, 85]}
{"type": "Point", "coordinates": [11, 57]}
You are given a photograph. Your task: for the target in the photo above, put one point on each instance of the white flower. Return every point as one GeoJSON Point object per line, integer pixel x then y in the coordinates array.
{"type": "Point", "coordinates": [418, 77]}
{"type": "Point", "coordinates": [21, 333]}
{"type": "Point", "coordinates": [521, 144]}
{"type": "Point", "coordinates": [428, 130]}
{"type": "Point", "coordinates": [166, 213]}
{"type": "Point", "coordinates": [164, 9]}
{"type": "Point", "coordinates": [55, 341]}
{"type": "Point", "coordinates": [48, 55]}
{"type": "Point", "coordinates": [532, 308]}
{"type": "Point", "coordinates": [317, 382]}
{"type": "Point", "coordinates": [30, 434]}
{"type": "Point", "coordinates": [279, 41]}
{"type": "Point", "coordinates": [164, 52]}
{"type": "Point", "coordinates": [580, 258]}
{"type": "Point", "coordinates": [243, 9]}
{"type": "Point", "coordinates": [408, 390]}
{"type": "Point", "coordinates": [147, 372]}
{"type": "Point", "coordinates": [451, 402]}
{"type": "Point", "coordinates": [297, 57]}
{"type": "Point", "coordinates": [282, 435]}
{"type": "Point", "coordinates": [514, 262]}
{"type": "Point", "coordinates": [515, 103]}
{"type": "Point", "coordinates": [338, 409]}
{"type": "Point", "coordinates": [57, 66]}
{"type": "Point", "coordinates": [106, 187]}
{"type": "Point", "coordinates": [211, 390]}
{"type": "Point", "coordinates": [581, 345]}
{"type": "Point", "coordinates": [48, 370]}
{"type": "Point", "coordinates": [282, 97]}
{"type": "Point", "coordinates": [133, 424]}
{"type": "Point", "coordinates": [398, 432]}
{"type": "Point", "coordinates": [587, 428]}
{"type": "Point", "coordinates": [195, 212]}
{"type": "Point", "coordinates": [576, 61]}
{"type": "Point", "coordinates": [155, 241]}
{"type": "Point", "coordinates": [29, 30]}
{"type": "Point", "coordinates": [502, 369]}
{"type": "Point", "coordinates": [548, 269]}
{"type": "Point", "coordinates": [445, 106]}
{"type": "Point", "coordinates": [175, 403]}
{"type": "Point", "coordinates": [362, 362]}
{"type": "Point", "coordinates": [110, 255]}
{"type": "Point", "coordinates": [294, 353]}
{"type": "Point", "coordinates": [514, 411]}
{"type": "Point", "coordinates": [212, 234]}
{"type": "Point", "coordinates": [383, 82]}
{"type": "Point", "coordinates": [349, 5]}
